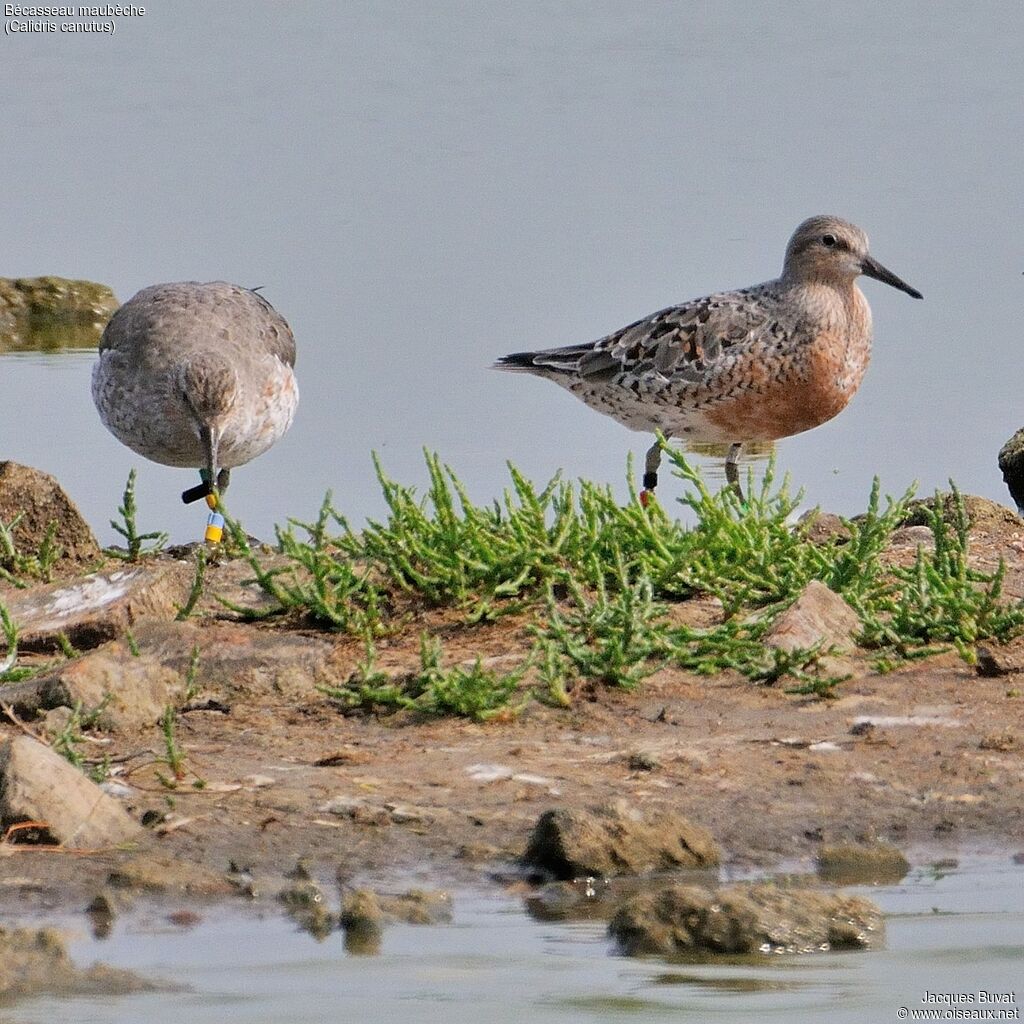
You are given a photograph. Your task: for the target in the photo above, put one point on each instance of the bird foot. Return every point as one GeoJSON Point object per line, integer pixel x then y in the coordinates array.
{"type": "Point", "coordinates": [650, 482]}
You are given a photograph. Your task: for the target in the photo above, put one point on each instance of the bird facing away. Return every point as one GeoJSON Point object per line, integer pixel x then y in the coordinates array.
{"type": "Point", "coordinates": [197, 375]}
{"type": "Point", "coordinates": [756, 364]}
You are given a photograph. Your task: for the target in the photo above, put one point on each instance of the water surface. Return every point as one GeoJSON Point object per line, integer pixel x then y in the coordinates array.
{"type": "Point", "coordinates": [955, 931]}
{"type": "Point", "coordinates": [422, 187]}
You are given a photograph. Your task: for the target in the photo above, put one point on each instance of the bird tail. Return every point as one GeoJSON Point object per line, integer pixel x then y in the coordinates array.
{"type": "Point", "coordinates": [545, 361]}
{"type": "Point", "coordinates": [516, 361]}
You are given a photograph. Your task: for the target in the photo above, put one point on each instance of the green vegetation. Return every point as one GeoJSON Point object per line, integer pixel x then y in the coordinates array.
{"type": "Point", "coordinates": [174, 756]}
{"type": "Point", "coordinates": [136, 541]}
{"type": "Point", "coordinates": [596, 584]}
{"type": "Point", "coordinates": [69, 740]}
{"type": "Point", "coordinates": [198, 581]}
{"type": "Point", "coordinates": [67, 648]}
{"type": "Point", "coordinates": [939, 599]}
{"type": "Point", "coordinates": [318, 582]}
{"type": "Point", "coordinates": [11, 636]}
{"type": "Point", "coordinates": [596, 578]}
{"type": "Point", "coordinates": [467, 691]}
{"type": "Point", "coordinates": [615, 637]}
{"type": "Point", "coordinates": [17, 565]}
{"type": "Point", "coordinates": [191, 675]}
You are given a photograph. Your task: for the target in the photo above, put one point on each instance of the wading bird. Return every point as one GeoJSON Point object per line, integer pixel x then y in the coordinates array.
{"type": "Point", "coordinates": [199, 376]}
{"type": "Point", "coordinates": [756, 364]}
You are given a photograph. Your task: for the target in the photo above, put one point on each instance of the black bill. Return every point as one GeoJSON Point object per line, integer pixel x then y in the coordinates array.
{"type": "Point", "coordinates": [870, 266]}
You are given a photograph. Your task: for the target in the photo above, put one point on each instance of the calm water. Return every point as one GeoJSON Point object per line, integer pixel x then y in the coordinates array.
{"type": "Point", "coordinates": [958, 933]}
{"type": "Point", "coordinates": [422, 187]}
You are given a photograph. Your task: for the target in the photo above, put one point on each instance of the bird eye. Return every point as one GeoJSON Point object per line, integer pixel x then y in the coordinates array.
{"type": "Point", "coordinates": [829, 240]}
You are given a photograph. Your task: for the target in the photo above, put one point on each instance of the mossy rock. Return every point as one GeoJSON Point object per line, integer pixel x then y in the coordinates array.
{"type": "Point", "coordinates": [983, 515]}
{"type": "Point", "coordinates": [41, 512]}
{"type": "Point", "coordinates": [744, 919]}
{"type": "Point", "coordinates": [850, 864]}
{"type": "Point", "coordinates": [46, 313]}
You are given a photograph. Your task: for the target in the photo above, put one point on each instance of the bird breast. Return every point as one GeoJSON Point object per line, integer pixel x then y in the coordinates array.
{"type": "Point", "coordinates": [788, 393]}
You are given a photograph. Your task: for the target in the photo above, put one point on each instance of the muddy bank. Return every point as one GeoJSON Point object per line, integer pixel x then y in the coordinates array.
{"type": "Point", "coordinates": [257, 769]}
{"type": "Point", "coordinates": [35, 962]}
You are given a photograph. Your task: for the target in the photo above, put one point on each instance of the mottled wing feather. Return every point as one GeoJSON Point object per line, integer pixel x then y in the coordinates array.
{"type": "Point", "coordinates": [276, 335]}
{"type": "Point", "coordinates": [682, 342]}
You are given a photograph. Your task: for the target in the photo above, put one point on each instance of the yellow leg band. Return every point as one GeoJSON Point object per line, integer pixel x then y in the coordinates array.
{"type": "Point", "coordinates": [211, 500]}
{"type": "Point", "coordinates": [214, 528]}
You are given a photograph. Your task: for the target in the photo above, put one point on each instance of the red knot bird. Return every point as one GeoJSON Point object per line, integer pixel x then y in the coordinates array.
{"type": "Point", "coordinates": [199, 376]}
{"type": "Point", "coordinates": [756, 364]}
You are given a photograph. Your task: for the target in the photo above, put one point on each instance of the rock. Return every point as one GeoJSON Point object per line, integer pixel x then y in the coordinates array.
{"type": "Point", "coordinates": [102, 910]}
{"type": "Point", "coordinates": [303, 894]}
{"type": "Point", "coordinates": [1011, 462]}
{"type": "Point", "coordinates": [35, 961]}
{"type": "Point", "coordinates": [584, 899]}
{"type": "Point", "coordinates": [37, 784]}
{"type": "Point", "coordinates": [307, 907]}
{"type": "Point", "coordinates": [58, 297]}
{"type": "Point", "coordinates": [993, 662]}
{"type": "Point", "coordinates": [128, 691]}
{"type": "Point", "coordinates": [103, 903]}
{"type": "Point", "coordinates": [233, 582]}
{"type": "Point", "coordinates": [849, 864]}
{"type": "Point", "coordinates": [53, 312]}
{"type": "Point", "coordinates": [479, 853]}
{"type": "Point", "coordinates": [40, 505]}
{"type": "Point", "coordinates": [236, 660]}
{"type": "Point", "coordinates": [99, 607]}
{"type": "Point", "coordinates": [159, 873]}
{"type": "Point", "coordinates": [983, 515]}
{"type": "Point", "coordinates": [406, 814]}
{"type": "Point", "coordinates": [700, 612]}
{"type": "Point", "coordinates": [759, 918]}
{"type": "Point", "coordinates": [643, 761]}
{"type": "Point", "coordinates": [823, 527]}
{"type": "Point", "coordinates": [363, 921]}
{"type": "Point", "coordinates": [417, 906]}
{"type": "Point", "coordinates": [913, 537]}
{"type": "Point", "coordinates": [615, 840]}
{"type": "Point", "coordinates": [819, 616]}
{"type": "Point", "coordinates": [233, 660]}
{"type": "Point", "coordinates": [1001, 741]}
{"type": "Point", "coordinates": [55, 721]}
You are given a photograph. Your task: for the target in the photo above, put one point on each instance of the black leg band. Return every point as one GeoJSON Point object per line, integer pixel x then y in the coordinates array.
{"type": "Point", "coordinates": [196, 493]}
{"type": "Point", "coordinates": [650, 481]}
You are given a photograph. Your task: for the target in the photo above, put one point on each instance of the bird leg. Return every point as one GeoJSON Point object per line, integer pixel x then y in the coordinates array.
{"type": "Point", "coordinates": [214, 521]}
{"type": "Point", "coordinates": [205, 489]}
{"type": "Point", "coordinates": [652, 460]}
{"type": "Point", "coordinates": [732, 468]}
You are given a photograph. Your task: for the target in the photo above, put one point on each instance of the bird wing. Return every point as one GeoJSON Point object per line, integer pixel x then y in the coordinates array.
{"type": "Point", "coordinates": [683, 342]}
{"type": "Point", "coordinates": [275, 335]}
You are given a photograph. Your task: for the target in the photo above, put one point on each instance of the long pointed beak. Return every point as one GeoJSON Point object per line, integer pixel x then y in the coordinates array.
{"type": "Point", "coordinates": [210, 440]}
{"type": "Point", "coordinates": [208, 472]}
{"type": "Point", "coordinates": [870, 266]}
